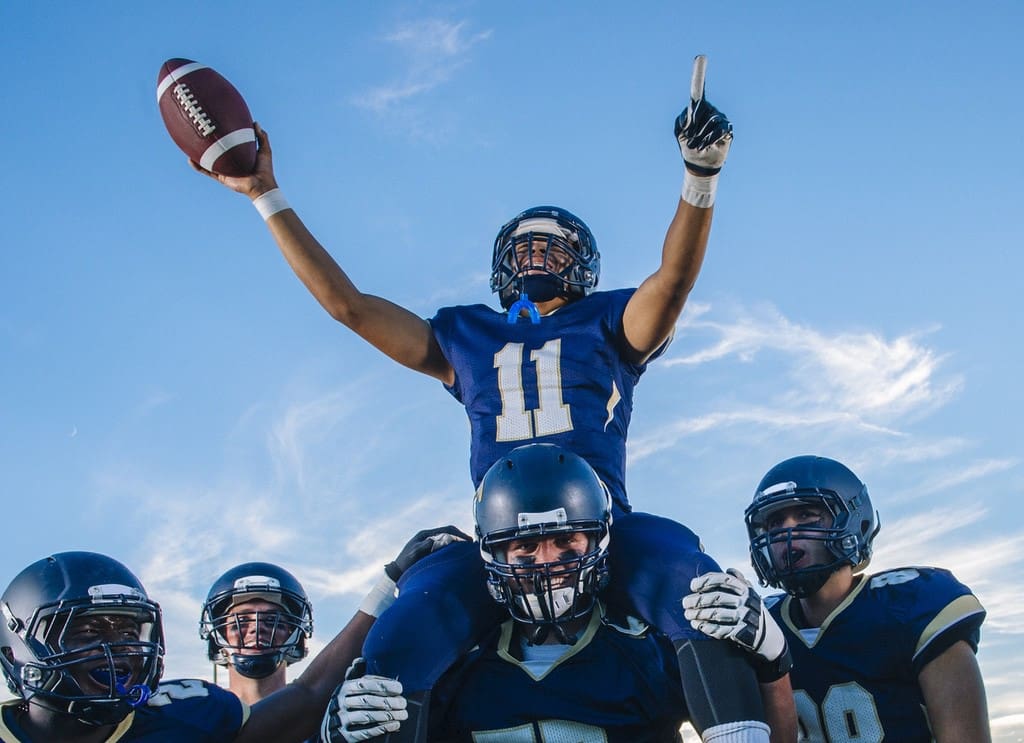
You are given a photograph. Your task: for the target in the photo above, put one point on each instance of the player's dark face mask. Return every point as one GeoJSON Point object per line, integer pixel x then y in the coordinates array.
{"type": "Point", "coordinates": [541, 288]}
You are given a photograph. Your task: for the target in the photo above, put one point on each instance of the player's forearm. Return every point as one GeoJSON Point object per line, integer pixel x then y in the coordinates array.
{"type": "Point", "coordinates": [294, 713]}
{"type": "Point", "coordinates": [327, 669]}
{"type": "Point", "coordinates": [682, 254]}
{"type": "Point", "coordinates": [954, 696]}
{"type": "Point", "coordinates": [653, 310]}
{"type": "Point", "coordinates": [780, 710]}
{"type": "Point", "coordinates": [392, 329]}
{"type": "Point", "coordinates": [315, 267]}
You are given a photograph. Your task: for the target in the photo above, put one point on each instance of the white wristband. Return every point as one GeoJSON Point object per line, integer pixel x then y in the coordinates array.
{"type": "Point", "coordinates": [380, 597]}
{"type": "Point", "coordinates": [270, 203]}
{"type": "Point", "coordinates": [745, 731]}
{"type": "Point", "coordinates": [699, 190]}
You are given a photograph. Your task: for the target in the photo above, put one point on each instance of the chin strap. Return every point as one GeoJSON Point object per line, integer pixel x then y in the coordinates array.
{"type": "Point", "coordinates": [256, 666]}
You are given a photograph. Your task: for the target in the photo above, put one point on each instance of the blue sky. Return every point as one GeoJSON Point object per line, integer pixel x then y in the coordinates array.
{"type": "Point", "coordinates": [172, 396]}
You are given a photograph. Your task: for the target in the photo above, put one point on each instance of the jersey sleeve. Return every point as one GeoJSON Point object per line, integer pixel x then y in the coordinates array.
{"type": "Point", "coordinates": [195, 710]}
{"type": "Point", "coordinates": [934, 608]}
{"type": "Point", "coordinates": [444, 326]}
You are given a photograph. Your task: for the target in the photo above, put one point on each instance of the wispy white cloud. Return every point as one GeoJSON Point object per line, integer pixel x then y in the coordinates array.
{"type": "Point", "coordinates": [863, 373]}
{"type": "Point", "coordinates": [857, 381]}
{"type": "Point", "coordinates": [302, 424]}
{"type": "Point", "coordinates": [783, 417]}
{"type": "Point", "coordinates": [434, 49]}
{"type": "Point", "coordinates": [961, 474]}
{"type": "Point", "coordinates": [912, 451]}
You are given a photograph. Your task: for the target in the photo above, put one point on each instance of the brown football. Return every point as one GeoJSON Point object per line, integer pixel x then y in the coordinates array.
{"type": "Point", "coordinates": [206, 117]}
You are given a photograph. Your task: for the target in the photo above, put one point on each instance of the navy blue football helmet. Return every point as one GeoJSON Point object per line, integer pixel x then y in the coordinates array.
{"type": "Point", "coordinates": [823, 483]}
{"type": "Point", "coordinates": [256, 643]}
{"type": "Point", "coordinates": [541, 490]}
{"type": "Point", "coordinates": [545, 252]}
{"type": "Point", "coordinates": [80, 636]}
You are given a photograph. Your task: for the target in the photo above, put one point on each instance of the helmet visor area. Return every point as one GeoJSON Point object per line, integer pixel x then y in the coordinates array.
{"type": "Point", "coordinates": [257, 631]}
{"type": "Point", "coordinates": [548, 592]}
{"type": "Point", "coordinates": [798, 539]}
{"type": "Point", "coordinates": [543, 247]}
{"type": "Point", "coordinates": [85, 652]}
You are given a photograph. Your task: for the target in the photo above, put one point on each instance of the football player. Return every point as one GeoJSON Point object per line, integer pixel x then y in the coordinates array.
{"type": "Point", "coordinates": [559, 365]}
{"type": "Point", "coordinates": [81, 646]}
{"type": "Point", "coordinates": [885, 656]}
{"type": "Point", "coordinates": [256, 620]}
{"type": "Point", "coordinates": [562, 666]}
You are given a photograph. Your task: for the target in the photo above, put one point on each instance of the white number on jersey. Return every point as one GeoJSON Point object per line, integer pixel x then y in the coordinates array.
{"type": "Point", "coordinates": [168, 691]}
{"type": "Point", "coordinates": [516, 423]}
{"type": "Point", "coordinates": [847, 715]}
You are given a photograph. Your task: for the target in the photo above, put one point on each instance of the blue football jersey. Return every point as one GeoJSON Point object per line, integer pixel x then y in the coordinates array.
{"type": "Point", "coordinates": [855, 679]}
{"type": "Point", "coordinates": [563, 381]}
{"type": "Point", "coordinates": [615, 685]}
{"type": "Point", "coordinates": [187, 710]}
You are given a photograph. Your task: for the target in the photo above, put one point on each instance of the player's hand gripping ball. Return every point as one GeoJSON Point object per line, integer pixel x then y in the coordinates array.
{"type": "Point", "coordinates": [206, 117]}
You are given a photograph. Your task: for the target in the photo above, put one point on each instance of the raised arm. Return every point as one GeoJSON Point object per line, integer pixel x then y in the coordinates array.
{"type": "Point", "coordinates": [402, 335]}
{"type": "Point", "coordinates": [704, 135]}
{"type": "Point", "coordinates": [954, 695]}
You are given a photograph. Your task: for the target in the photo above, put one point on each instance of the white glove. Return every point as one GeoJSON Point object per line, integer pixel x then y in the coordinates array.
{"type": "Point", "coordinates": [703, 132]}
{"type": "Point", "coordinates": [363, 707]}
{"type": "Point", "coordinates": [724, 606]}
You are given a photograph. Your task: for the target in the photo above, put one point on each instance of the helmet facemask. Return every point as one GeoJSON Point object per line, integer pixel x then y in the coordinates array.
{"type": "Point", "coordinates": [842, 545]}
{"type": "Point", "coordinates": [256, 617]}
{"type": "Point", "coordinates": [257, 642]}
{"type": "Point", "coordinates": [98, 682]}
{"type": "Point", "coordinates": [544, 253]}
{"type": "Point", "coordinates": [549, 596]}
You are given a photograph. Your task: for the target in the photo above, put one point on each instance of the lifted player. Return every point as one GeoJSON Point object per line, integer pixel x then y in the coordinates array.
{"type": "Point", "coordinates": [886, 656]}
{"type": "Point", "coordinates": [559, 367]}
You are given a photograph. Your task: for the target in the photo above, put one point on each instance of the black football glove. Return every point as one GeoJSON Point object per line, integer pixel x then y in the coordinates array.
{"type": "Point", "coordinates": [421, 545]}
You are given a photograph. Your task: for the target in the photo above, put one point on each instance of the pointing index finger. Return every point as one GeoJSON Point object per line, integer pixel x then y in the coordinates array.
{"type": "Point", "coordinates": [700, 63]}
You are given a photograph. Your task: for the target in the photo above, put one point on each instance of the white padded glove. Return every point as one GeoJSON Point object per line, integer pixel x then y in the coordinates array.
{"type": "Point", "coordinates": [363, 707]}
{"type": "Point", "coordinates": [725, 606]}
